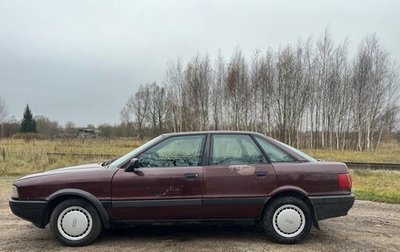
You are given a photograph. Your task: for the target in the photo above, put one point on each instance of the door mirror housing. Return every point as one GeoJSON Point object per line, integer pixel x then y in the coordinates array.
{"type": "Point", "coordinates": [133, 164]}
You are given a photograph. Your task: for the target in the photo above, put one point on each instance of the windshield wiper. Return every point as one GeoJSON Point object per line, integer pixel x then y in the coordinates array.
{"type": "Point", "coordinates": [108, 162]}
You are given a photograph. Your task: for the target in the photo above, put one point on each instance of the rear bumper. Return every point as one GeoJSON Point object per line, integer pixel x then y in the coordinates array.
{"type": "Point", "coordinates": [331, 206]}
{"type": "Point", "coordinates": [33, 211]}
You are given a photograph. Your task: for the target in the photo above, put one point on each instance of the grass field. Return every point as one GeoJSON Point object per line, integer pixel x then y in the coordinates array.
{"type": "Point", "coordinates": [22, 157]}
{"type": "Point", "coordinates": [380, 186]}
{"type": "Point", "coordinates": [384, 155]}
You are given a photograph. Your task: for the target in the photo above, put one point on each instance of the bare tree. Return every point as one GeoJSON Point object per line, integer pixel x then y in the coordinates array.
{"type": "Point", "coordinates": [69, 126]}
{"type": "Point", "coordinates": [372, 84]}
{"type": "Point", "coordinates": [325, 49]}
{"type": "Point", "coordinates": [284, 93]}
{"type": "Point", "coordinates": [255, 86]}
{"type": "Point", "coordinates": [174, 83]}
{"type": "Point", "coordinates": [46, 127]}
{"type": "Point", "coordinates": [3, 114]}
{"type": "Point", "coordinates": [309, 95]}
{"type": "Point", "coordinates": [198, 76]}
{"type": "Point", "coordinates": [217, 93]}
{"type": "Point", "coordinates": [267, 77]}
{"type": "Point", "coordinates": [138, 105]}
{"type": "Point", "coordinates": [157, 107]}
{"type": "Point", "coordinates": [237, 90]}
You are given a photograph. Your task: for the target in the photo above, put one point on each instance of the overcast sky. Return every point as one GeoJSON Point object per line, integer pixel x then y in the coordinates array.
{"type": "Point", "coordinates": [80, 60]}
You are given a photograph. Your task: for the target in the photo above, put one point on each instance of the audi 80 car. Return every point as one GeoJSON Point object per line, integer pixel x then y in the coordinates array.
{"type": "Point", "coordinates": [192, 176]}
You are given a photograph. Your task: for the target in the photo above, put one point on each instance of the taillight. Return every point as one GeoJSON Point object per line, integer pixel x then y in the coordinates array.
{"type": "Point", "coordinates": [344, 180]}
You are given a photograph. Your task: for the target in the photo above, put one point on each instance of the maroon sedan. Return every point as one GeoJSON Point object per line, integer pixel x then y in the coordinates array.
{"type": "Point", "coordinates": [193, 176]}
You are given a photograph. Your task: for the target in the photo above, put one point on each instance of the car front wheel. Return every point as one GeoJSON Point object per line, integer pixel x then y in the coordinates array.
{"type": "Point", "coordinates": [75, 222]}
{"type": "Point", "coordinates": [287, 220]}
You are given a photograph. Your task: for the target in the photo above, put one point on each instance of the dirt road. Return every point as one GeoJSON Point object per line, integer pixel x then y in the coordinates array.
{"type": "Point", "coordinates": [368, 227]}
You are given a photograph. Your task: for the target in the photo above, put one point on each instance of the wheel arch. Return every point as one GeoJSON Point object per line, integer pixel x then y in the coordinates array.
{"type": "Point", "coordinates": [293, 192]}
{"type": "Point", "coordinates": [57, 197]}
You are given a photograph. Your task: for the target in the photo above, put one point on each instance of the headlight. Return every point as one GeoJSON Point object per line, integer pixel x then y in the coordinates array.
{"type": "Point", "coordinates": [14, 192]}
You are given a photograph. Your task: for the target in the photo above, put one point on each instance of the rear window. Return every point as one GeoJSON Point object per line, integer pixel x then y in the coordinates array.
{"type": "Point", "coordinates": [302, 154]}
{"type": "Point", "coordinates": [274, 153]}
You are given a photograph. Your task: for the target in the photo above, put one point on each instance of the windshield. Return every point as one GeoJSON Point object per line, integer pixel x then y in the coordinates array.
{"type": "Point", "coordinates": [133, 153]}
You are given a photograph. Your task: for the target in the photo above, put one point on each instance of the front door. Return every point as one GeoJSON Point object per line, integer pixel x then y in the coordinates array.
{"type": "Point", "coordinates": [167, 185]}
{"type": "Point", "coordinates": [237, 179]}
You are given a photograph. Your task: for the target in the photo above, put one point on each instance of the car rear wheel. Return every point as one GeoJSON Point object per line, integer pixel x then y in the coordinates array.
{"type": "Point", "coordinates": [287, 220]}
{"type": "Point", "coordinates": [75, 222]}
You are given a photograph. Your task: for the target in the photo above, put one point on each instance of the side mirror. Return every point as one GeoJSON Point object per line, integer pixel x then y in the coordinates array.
{"type": "Point", "coordinates": [133, 164]}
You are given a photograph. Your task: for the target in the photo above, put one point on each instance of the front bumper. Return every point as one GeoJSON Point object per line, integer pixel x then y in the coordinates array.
{"type": "Point", "coordinates": [331, 206]}
{"type": "Point", "coordinates": [33, 211]}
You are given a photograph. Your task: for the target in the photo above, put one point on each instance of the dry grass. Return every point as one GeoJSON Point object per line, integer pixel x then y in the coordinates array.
{"type": "Point", "coordinates": [23, 157]}
{"type": "Point", "coordinates": [388, 155]}
{"type": "Point", "coordinates": [5, 183]}
{"type": "Point", "coordinates": [381, 186]}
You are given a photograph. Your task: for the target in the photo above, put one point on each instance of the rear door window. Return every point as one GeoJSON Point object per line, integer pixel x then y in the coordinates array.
{"type": "Point", "coordinates": [234, 150]}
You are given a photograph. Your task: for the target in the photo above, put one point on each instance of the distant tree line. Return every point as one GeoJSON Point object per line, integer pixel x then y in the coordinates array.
{"type": "Point", "coordinates": [52, 129]}
{"type": "Point", "coordinates": [310, 95]}
{"type": "Point", "coordinates": [46, 128]}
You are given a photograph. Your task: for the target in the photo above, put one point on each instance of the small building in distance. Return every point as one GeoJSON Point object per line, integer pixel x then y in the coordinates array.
{"type": "Point", "coordinates": [88, 133]}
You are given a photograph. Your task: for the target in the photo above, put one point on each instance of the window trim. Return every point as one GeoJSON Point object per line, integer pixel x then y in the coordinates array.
{"type": "Point", "coordinates": [206, 151]}
{"type": "Point", "coordinates": [261, 148]}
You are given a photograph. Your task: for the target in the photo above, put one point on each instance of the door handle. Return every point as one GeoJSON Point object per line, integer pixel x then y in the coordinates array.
{"type": "Point", "coordinates": [261, 174]}
{"type": "Point", "coordinates": [191, 176]}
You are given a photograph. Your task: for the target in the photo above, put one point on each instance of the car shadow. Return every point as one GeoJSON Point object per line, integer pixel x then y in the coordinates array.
{"type": "Point", "coordinates": [187, 231]}
{"type": "Point", "coordinates": [197, 233]}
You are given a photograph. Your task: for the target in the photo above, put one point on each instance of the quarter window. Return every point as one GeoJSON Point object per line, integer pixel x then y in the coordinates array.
{"type": "Point", "coordinates": [274, 153]}
{"type": "Point", "coordinates": [235, 150]}
{"type": "Point", "coordinates": [175, 151]}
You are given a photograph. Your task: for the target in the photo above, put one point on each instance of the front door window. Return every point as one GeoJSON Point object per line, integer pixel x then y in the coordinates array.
{"type": "Point", "coordinates": [180, 151]}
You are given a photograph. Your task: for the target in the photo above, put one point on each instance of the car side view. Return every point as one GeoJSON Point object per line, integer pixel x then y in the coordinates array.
{"type": "Point", "coordinates": [191, 176]}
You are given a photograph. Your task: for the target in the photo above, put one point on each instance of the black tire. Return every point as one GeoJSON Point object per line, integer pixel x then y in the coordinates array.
{"type": "Point", "coordinates": [75, 222]}
{"type": "Point", "coordinates": [287, 220]}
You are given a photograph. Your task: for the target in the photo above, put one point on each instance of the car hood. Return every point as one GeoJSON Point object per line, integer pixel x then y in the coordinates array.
{"type": "Point", "coordinates": [71, 169]}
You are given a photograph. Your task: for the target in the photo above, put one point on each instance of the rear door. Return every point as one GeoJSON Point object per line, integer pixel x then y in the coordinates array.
{"type": "Point", "coordinates": [167, 185]}
{"type": "Point", "coordinates": [237, 179]}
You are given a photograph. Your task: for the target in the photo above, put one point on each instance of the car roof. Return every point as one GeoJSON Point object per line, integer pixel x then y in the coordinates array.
{"type": "Point", "coordinates": [210, 132]}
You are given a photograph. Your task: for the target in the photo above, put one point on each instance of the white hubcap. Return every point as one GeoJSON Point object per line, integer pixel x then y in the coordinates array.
{"type": "Point", "coordinates": [74, 223]}
{"type": "Point", "coordinates": [288, 221]}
